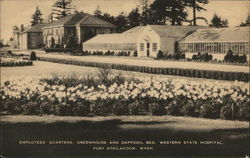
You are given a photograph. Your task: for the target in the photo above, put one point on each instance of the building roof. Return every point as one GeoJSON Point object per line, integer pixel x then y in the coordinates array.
{"type": "Point", "coordinates": [236, 34]}
{"type": "Point", "coordinates": [35, 28]}
{"type": "Point", "coordinates": [132, 35]}
{"type": "Point", "coordinates": [129, 36]}
{"type": "Point", "coordinates": [175, 31]}
{"type": "Point", "coordinates": [90, 20]}
{"type": "Point", "coordinates": [82, 19]}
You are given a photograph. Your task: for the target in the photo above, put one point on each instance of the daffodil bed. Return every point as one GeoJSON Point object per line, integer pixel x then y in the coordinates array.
{"type": "Point", "coordinates": [9, 62]}
{"type": "Point", "coordinates": [88, 96]}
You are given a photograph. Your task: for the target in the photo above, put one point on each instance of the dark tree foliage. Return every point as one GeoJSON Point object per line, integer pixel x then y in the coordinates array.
{"type": "Point", "coordinates": [172, 11]}
{"type": "Point", "coordinates": [247, 22]}
{"type": "Point", "coordinates": [121, 22]}
{"type": "Point", "coordinates": [108, 17]}
{"type": "Point", "coordinates": [37, 17]}
{"type": "Point", "coordinates": [145, 15]}
{"type": "Point", "coordinates": [1, 43]}
{"type": "Point", "coordinates": [134, 18]}
{"type": "Point", "coordinates": [196, 6]}
{"type": "Point", "coordinates": [62, 8]}
{"type": "Point", "coordinates": [218, 22]}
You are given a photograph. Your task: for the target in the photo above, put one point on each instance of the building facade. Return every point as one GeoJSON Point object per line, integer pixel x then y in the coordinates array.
{"type": "Point", "coordinates": [75, 28]}
{"type": "Point", "coordinates": [31, 38]}
{"type": "Point", "coordinates": [146, 40]}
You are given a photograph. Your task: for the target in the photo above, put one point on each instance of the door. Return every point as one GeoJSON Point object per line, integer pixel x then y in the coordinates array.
{"type": "Point", "coordinates": [148, 49]}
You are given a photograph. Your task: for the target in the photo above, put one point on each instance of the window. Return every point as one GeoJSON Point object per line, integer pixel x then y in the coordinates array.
{"type": "Point", "coordinates": [141, 46]}
{"type": "Point", "coordinates": [154, 47]}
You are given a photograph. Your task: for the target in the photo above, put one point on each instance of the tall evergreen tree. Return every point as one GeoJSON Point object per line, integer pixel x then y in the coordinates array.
{"type": "Point", "coordinates": [62, 8]}
{"type": "Point", "coordinates": [145, 15]}
{"type": "Point", "coordinates": [121, 22]}
{"type": "Point", "coordinates": [218, 22]}
{"type": "Point", "coordinates": [196, 6]}
{"type": "Point", "coordinates": [1, 43]}
{"type": "Point", "coordinates": [49, 18]}
{"type": "Point", "coordinates": [172, 11]}
{"type": "Point", "coordinates": [98, 12]}
{"type": "Point", "coordinates": [37, 17]}
{"type": "Point", "coordinates": [247, 22]}
{"type": "Point", "coordinates": [134, 18]}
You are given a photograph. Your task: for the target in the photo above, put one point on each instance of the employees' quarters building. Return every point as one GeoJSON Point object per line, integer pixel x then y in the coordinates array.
{"type": "Point", "coordinates": [31, 37]}
{"type": "Point", "coordinates": [80, 26]}
{"type": "Point", "coordinates": [146, 40]}
{"type": "Point", "coordinates": [217, 42]}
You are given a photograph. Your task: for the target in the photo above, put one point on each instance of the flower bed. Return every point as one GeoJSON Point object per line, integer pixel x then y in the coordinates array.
{"type": "Point", "coordinates": [121, 96]}
{"type": "Point", "coordinates": [9, 62]}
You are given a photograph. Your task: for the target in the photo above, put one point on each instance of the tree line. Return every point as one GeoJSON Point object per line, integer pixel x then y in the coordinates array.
{"type": "Point", "coordinates": [160, 12]}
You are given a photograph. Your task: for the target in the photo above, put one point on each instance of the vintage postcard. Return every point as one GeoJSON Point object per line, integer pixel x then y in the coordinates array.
{"type": "Point", "coordinates": [124, 78]}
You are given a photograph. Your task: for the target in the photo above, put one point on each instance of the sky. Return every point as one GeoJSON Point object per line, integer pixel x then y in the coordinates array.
{"type": "Point", "coordinates": [17, 12]}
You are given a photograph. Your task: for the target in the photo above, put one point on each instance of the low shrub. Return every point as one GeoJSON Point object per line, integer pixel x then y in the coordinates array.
{"type": "Point", "coordinates": [189, 110]}
{"type": "Point", "coordinates": [135, 54]}
{"type": "Point", "coordinates": [203, 57]}
{"type": "Point", "coordinates": [235, 58]}
{"type": "Point", "coordinates": [30, 108]}
{"type": "Point", "coordinates": [173, 109]}
{"type": "Point", "coordinates": [46, 108]}
{"type": "Point", "coordinates": [136, 107]}
{"type": "Point", "coordinates": [13, 106]}
{"type": "Point", "coordinates": [81, 108]}
{"type": "Point", "coordinates": [209, 111]}
{"type": "Point", "coordinates": [156, 109]}
{"type": "Point", "coordinates": [226, 112]}
{"type": "Point", "coordinates": [159, 55]}
{"type": "Point", "coordinates": [101, 107]}
{"type": "Point", "coordinates": [63, 110]}
{"type": "Point", "coordinates": [120, 108]}
{"type": "Point", "coordinates": [9, 53]}
{"type": "Point", "coordinates": [33, 56]}
{"type": "Point", "coordinates": [244, 112]}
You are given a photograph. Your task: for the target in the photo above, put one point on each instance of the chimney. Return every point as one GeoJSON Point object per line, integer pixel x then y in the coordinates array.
{"type": "Point", "coordinates": [21, 28]}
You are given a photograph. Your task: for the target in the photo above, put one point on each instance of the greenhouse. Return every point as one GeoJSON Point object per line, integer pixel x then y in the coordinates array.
{"type": "Point", "coordinates": [217, 41]}
{"type": "Point", "coordinates": [116, 42]}
{"type": "Point", "coordinates": [145, 40]}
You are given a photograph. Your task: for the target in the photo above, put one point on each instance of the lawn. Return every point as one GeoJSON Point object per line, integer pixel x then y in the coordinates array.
{"type": "Point", "coordinates": [145, 62]}
{"type": "Point", "coordinates": [233, 135]}
{"type": "Point", "coordinates": [40, 68]}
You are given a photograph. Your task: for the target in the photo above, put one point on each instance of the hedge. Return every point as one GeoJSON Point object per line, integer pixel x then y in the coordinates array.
{"type": "Point", "coordinates": [209, 74]}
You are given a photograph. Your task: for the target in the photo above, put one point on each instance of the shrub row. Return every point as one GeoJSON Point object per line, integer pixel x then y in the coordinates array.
{"type": "Point", "coordinates": [202, 57]}
{"type": "Point", "coordinates": [166, 56]}
{"type": "Point", "coordinates": [16, 64]}
{"type": "Point", "coordinates": [219, 75]}
{"type": "Point", "coordinates": [235, 58]}
{"type": "Point", "coordinates": [47, 50]}
{"type": "Point", "coordinates": [101, 53]}
{"type": "Point", "coordinates": [134, 107]}
{"type": "Point", "coordinates": [11, 62]}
